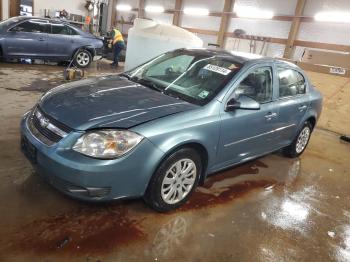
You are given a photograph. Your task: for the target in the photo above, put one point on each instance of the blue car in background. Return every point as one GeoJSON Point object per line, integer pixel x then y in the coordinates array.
{"type": "Point", "coordinates": [49, 39]}
{"type": "Point", "coordinates": [159, 130]}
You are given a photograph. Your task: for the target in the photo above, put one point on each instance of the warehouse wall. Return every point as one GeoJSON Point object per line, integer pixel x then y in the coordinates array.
{"type": "Point", "coordinates": [75, 7]}
{"type": "Point", "coordinates": [71, 6]}
{"type": "Point", "coordinates": [309, 31]}
{"type": "Point", "coordinates": [333, 33]}
{"type": "Point", "coordinates": [126, 16]}
{"type": "Point", "coordinates": [265, 28]}
{"type": "Point", "coordinates": [161, 18]}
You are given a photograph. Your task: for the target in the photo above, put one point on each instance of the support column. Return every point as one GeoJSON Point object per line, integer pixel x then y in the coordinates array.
{"type": "Point", "coordinates": [141, 13]}
{"type": "Point", "coordinates": [225, 19]}
{"type": "Point", "coordinates": [114, 13]}
{"type": "Point", "coordinates": [177, 13]}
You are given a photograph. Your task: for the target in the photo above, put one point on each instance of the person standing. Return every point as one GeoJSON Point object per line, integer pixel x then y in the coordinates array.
{"type": "Point", "coordinates": [118, 45]}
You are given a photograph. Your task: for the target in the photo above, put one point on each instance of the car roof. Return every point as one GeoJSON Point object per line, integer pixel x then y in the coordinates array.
{"type": "Point", "coordinates": [51, 20]}
{"type": "Point", "coordinates": [242, 57]}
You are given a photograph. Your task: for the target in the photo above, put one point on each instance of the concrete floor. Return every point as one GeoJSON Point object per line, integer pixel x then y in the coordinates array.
{"type": "Point", "coordinates": [271, 209]}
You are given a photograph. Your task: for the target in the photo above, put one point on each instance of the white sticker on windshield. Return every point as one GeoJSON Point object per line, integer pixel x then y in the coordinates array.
{"type": "Point", "coordinates": [217, 69]}
{"type": "Point", "coordinates": [203, 94]}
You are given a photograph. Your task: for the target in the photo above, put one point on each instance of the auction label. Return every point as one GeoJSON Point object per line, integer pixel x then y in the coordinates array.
{"type": "Point", "coordinates": [217, 69]}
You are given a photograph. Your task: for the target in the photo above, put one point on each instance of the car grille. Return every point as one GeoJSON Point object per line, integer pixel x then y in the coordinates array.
{"type": "Point", "coordinates": [45, 128]}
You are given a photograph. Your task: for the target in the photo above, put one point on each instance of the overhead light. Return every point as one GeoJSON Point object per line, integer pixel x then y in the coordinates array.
{"type": "Point", "coordinates": [339, 17]}
{"type": "Point", "coordinates": [124, 7]}
{"type": "Point", "coordinates": [196, 11]}
{"type": "Point", "coordinates": [154, 9]}
{"type": "Point", "coordinates": [252, 12]}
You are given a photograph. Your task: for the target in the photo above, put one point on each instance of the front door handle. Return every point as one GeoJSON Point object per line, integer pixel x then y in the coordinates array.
{"type": "Point", "coordinates": [41, 39]}
{"type": "Point", "coordinates": [302, 108]}
{"type": "Point", "coordinates": [270, 115]}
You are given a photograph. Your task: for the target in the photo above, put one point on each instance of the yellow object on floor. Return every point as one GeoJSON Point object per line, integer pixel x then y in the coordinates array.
{"type": "Point", "coordinates": [73, 73]}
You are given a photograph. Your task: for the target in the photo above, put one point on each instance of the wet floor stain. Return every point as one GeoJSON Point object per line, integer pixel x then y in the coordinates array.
{"type": "Point", "coordinates": [250, 168]}
{"type": "Point", "coordinates": [206, 198]}
{"type": "Point", "coordinates": [41, 78]}
{"type": "Point", "coordinates": [219, 189]}
{"type": "Point", "coordinates": [43, 85]}
{"type": "Point", "coordinates": [90, 231]}
{"type": "Point", "coordinates": [95, 230]}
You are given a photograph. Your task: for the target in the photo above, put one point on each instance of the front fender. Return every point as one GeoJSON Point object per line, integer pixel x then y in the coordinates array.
{"type": "Point", "coordinates": [200, 126]}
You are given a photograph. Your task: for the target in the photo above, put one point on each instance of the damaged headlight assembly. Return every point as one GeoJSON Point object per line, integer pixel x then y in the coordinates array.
{"type": "Point", "coordinates": [107, 144]}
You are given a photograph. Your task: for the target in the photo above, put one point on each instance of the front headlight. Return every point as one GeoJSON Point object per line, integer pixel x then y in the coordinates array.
{"type": "Point", "coordinates": [107, 144]}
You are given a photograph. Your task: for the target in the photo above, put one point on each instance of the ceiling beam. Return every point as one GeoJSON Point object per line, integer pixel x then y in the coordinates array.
{"type": "Point", "coordinates": [177, 13]}
{"type": "Point", "coordinates": [294, 29]}
{"type": "Point", "coordinates": [141, 9]}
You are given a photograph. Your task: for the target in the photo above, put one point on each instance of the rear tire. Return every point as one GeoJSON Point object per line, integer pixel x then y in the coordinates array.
{"type": "Point", "coordinates": [83, 58]}
{"type": "Point", "coordinates": [174, 181]}
{"type": "Point", "coordinates": [300, 142]}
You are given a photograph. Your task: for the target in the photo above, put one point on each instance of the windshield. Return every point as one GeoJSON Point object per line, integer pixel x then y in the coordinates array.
{"type": "Point", "coordinates": [8, 22]}
{"type": "Point", "coordinates": [194, 76]}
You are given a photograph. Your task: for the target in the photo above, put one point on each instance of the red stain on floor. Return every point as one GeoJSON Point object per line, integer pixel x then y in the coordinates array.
{"type": "Point", "coordinates": [209, 195]}
{"type": "Point", "coordinates": [88, 231]}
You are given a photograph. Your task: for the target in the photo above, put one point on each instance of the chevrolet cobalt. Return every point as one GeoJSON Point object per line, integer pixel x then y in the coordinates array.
{"type": "Point", "coordinates": [157, 131]}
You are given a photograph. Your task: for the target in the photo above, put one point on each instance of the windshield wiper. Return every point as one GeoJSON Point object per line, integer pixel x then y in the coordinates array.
{"type": "Point", "coordinates": [168, 93]}
{"type": "Point", "coordinates": [125, 75]}
{"type": "Point", "coordinates": [147, 83]}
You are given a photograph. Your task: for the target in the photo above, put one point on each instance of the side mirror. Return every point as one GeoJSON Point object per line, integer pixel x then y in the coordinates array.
{"type": "Point", "coordinates": [243, 102]}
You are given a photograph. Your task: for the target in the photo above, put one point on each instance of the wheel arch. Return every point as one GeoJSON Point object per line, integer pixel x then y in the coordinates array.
{"type": "Point", "coordinates": [90, 49]}
{"type": "Point", "coordinates": [199, 148]}
{"type": "Point", "coordinates": [312, 121]}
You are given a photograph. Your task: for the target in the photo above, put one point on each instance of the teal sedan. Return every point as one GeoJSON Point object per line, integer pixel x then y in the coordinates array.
{"type": "Point", "coordinates": [157, 131]}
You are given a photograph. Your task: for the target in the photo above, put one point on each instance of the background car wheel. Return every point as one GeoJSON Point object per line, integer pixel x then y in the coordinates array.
{"type": "Point", "coordinates": [300, 142]}
{"type": "Point", "coordinates": [174, 181]}
{"type": "Point", "coordinates": [83, 59]}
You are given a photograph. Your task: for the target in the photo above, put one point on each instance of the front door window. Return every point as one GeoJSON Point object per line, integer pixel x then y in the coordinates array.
{"type": "Point", "coordinates": [257, 85]}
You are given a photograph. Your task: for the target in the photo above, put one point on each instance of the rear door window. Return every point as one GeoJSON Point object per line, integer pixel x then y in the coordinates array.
{"type": "Point", "coordinates": [291, 82]}
{"type": "Point", "coordinates": [31, 26]}
{"type": "Point", "coordinates": [60, 29]}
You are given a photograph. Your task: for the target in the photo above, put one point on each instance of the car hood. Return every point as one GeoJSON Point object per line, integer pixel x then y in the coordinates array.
{"type": "Point", "coordinates": [108, 102]}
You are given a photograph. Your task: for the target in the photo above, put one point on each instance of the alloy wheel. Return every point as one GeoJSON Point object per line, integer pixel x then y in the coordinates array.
{"type": "Point", "coordinates": [302, 140]}
{"type": "Point", "coordinates": [83, 59]}
{"type": "Point", "coordinates": [178, 181]}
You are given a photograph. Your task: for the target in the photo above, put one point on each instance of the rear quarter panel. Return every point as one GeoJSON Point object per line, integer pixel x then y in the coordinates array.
{"type": "Point", "coordinates": [316, 102]}
{"type": "Point", "coordinates": [315, 106]}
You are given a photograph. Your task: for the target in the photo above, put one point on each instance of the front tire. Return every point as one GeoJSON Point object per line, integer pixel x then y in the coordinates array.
{"type": "Point", "coordinates": [82, 58]}
{"type": "Point", "coordinates": [174, 181]}
{"type": "Point", "coordinates": [300, 142]}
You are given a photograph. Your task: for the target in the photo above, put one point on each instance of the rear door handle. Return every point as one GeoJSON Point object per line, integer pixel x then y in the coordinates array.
{"type": "Point", "coordinates": [302, 108]}
{"type": "Point", "coordinates": [270, 115]}
{"type": "Point", "coordinates": [41, 39]}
